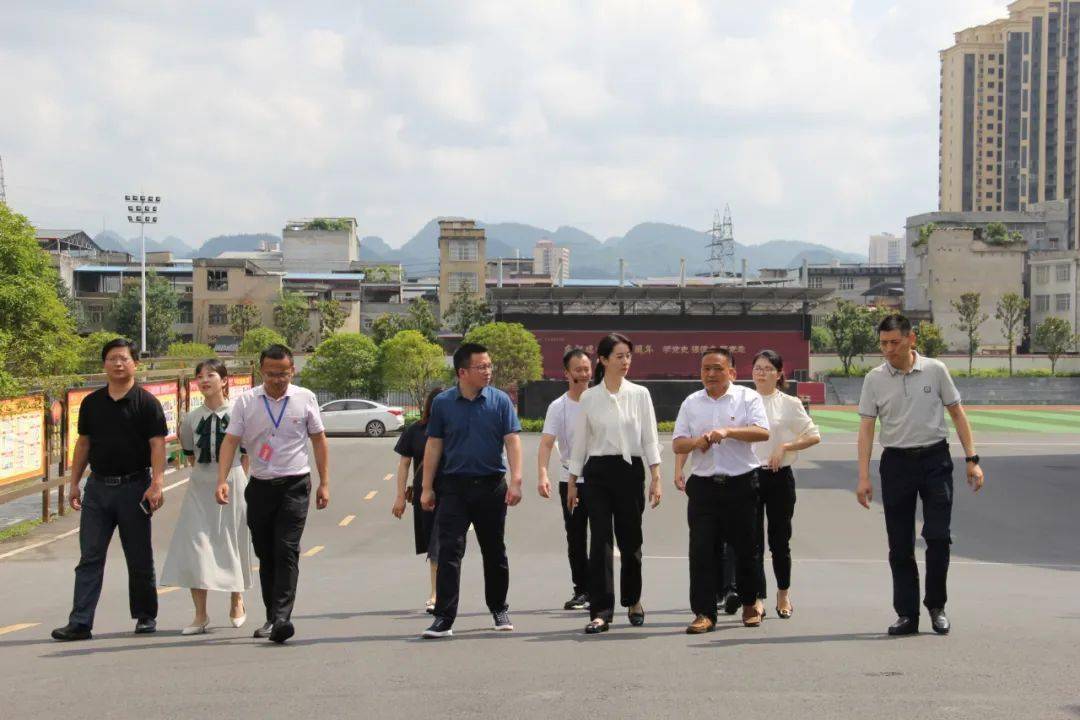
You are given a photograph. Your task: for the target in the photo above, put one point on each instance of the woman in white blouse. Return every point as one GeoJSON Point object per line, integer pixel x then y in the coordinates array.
{"type": "Point", "coordinates": [790, 430]}
{"type": "Point", "coordinates": [614, 438]}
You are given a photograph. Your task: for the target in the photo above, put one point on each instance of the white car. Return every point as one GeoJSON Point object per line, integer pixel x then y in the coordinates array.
{"type": "Point", "coordinates": [361, 416]}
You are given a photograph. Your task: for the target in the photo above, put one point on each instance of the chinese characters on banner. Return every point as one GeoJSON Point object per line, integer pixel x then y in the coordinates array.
{"type": "Point", "coordinates": [168, 394]}
{"type": "Point", "coordinates": [22, 438]}
{"type": "Point", "coordinates": [74, 403]}
{"type": "Point", "coordinates": [237, 385]}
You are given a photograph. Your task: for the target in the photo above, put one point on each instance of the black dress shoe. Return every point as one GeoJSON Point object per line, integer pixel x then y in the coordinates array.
{"type": "Point", "coordinates": [732, 603]}
{"type": "Point", "coordinates": [595, 628]}
{"type": "Point", "coordinates": [264, 631]}
{"type": "Point", "coordinates": [283, 630]}
{"type": "Point", "coordinates": [72, 631]}
{"type": "Point", "coordinates": [940, 621]}
{"type": "Point", "coordinates": [904, 626]}
{"type": "Point", "coordinates": [146, 626]}
{"type": "Point", "coordinates": [580, 601]}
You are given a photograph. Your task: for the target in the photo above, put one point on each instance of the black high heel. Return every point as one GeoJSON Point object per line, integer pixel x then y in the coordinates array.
{"type": "Point", "coordinates": [637, 619]}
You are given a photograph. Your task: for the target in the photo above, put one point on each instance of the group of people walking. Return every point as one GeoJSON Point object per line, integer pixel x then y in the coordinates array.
{"type": "Point", "coordinates": [251, 483]}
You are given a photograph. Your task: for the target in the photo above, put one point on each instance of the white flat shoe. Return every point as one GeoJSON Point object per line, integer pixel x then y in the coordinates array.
{"type": "Point", "coordinates": [238, 621]}
{"type": "Point", "coordinates": [195, 629]}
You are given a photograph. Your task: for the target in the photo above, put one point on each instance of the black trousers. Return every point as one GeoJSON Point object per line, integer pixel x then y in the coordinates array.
{"type": "Point", "coordinates": [577, 538]}
{"type": "Point", "coordinates": [615, 501]}
{"type": "Point", "coordinates": [105, 508]}
{"type": "Point", "coordinates": [905, 476]}
{"type": "Point", "coordinates": [480, 502]}
{"type": "Point", "coordinates": [276, 514]}
{"type": "Point", "coordinates": [721, 508]}
{"type": "Point", "coordinates": [776, 496]}
{"type": "Point", "coordinates": [725, 568]}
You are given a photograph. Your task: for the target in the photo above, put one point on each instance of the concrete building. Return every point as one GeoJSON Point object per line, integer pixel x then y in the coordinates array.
{"type": "Point", "coordinates": [862, 284]}
{"type": "Point", "coordinates": [954, 261]}
{"type": "Point", "coordinates": [1055, 281]}
{"type": "Point", "coordinates": [462, 266]}
{"type": "Point", "coordinates": [221, 283]}
{"type": "Point", "coordinates": [552, 260]}
{"type": "Point", "coordinates": [1008, 123]}
{"type": "Point", "coordinates": [320, 244]}
{"type": "Point", "coordinates": [96, 286]}
{"type": "Point", "coordinates": [887, 249]}
{"type": "Point", "coordinates": [68, 249]}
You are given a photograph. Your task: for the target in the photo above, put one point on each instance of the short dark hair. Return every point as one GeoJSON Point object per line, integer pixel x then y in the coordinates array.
{"type": "Point", "coordinates": [276, 352]}
{"type": "Point", "coordinates": [716, 350]}
{"type": "Point", "coordinates": [465, 352]}
{"type": "Point", "coordinates": [896, 321]}
{"type": "Point", "coordinates": [119, 342]}
{"type": "Point", "coordinates": [571, 354]}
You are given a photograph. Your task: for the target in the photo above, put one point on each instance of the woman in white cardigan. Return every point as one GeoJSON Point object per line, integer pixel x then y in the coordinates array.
{"type": "Point", "coordinates": [614, 439]}
{"type": "Point", "coordinates": [790, 430]}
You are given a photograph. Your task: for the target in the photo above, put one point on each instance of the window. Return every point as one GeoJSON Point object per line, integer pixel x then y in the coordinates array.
{"type": "Point", "coordinates": [1042, 274]}
{"type": "Point", "coordinates": [1042, 303]}
{"type": "Point", "coordinates": [217, 280]}
{"type": "Point", "coordinates": [358, 405]}
{"type": "Point", "coordinates": [1063, 272]}
{"type": "Point", "coordinates": [1053, 243]}
{"type": "Point", "coordinates": [1062, 301]}
{"type": "Point", "coordinates": [335, 406]}
{"type": "Point", "coordinates": [847, 282]}
{"type": "Point", "coordinates": [815, 281]}
{"type": "Point", "coordinates": [185, 317]}
{"type": "Point", "coordinates": [110, 284]}
{"type": "Point", "coordinates": [463, 250]}
{"type": "Point", "coordinates": [219, 315]}
{"type": "Point", "coordinates": [466, 281]}
{"type": "Point", "coordinates": [95, 315]}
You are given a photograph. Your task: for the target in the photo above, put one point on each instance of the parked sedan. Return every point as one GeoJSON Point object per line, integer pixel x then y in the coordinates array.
{"type": "Point", "coordinates": [361, 416]}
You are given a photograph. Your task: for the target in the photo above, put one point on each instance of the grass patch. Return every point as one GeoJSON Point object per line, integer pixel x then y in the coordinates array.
{"type": "Point", "coordinates": [19, 530]}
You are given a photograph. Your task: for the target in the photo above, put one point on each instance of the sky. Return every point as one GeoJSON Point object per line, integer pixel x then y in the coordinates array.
{"type": "Point", "coordinates": [814, 120]}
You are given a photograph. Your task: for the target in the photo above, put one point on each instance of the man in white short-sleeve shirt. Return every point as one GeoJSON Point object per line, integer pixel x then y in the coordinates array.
{"type": "Point", "coordinates": [716, 426]}
{"type": "Point", "coordinates": [558, 433]}
{"type": "Point", "coordinates": [274, 422]}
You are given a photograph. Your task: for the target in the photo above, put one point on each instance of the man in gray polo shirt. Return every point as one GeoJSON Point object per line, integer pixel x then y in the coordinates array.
{"type": "Point", "coordinates": [910, 394]}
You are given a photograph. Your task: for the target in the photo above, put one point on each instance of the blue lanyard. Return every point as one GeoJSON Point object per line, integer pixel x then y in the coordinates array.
{"type": "Point", "coordinates": [277, 420]}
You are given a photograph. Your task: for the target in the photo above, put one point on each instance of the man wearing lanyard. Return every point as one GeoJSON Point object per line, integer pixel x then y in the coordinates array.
{"type": "Point", "coordinates": [558, 429]}
{"type": "Point", "coordinates": [910, 394]}
{"type": "Point", "coordinates": [274, 422]}
{"type": "Point", "coordinates": [716, 426]}
{"type": "Point", "coordinates": [468, 428]}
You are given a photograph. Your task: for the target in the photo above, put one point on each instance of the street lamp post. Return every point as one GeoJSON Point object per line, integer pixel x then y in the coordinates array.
{"type": "Point", "coordinates": [144, 209]}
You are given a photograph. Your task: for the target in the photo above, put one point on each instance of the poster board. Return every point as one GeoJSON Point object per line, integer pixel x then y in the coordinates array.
{"type": "Point", "coordinates": [22, 438]}
{"type": "Point", "coordinates": [167, 393]}
{"type": "Point", "coordinates": [74, 402]}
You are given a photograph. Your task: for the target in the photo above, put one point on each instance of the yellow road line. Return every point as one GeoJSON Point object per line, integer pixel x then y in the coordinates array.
{"type": "Point", "coordinates": [163, 590]}
{"type": "Point", "coordinates": [346, 520]}
{"type": "Point", "coordinates": [15, 628]}
{"type": "Point", "coordinates": [371, 494]}
{"type": "Point", "coordinates": [389, 477]}
{"type": "Point", "coordinates": [313, 551]}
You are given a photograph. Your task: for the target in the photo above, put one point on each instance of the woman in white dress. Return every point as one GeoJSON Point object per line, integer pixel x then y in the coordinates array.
{"type": "Point", "coordinates": [211, 546]}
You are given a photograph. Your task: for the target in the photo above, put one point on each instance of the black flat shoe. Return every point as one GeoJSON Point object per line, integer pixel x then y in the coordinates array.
{"type": "Point", "coordinates": [940, 621]}
{"type": "Point", "coordinates": [72, 631]}
{"type": "Point", "coordinates": [904, 626]}
{"type": "Point", "coordinates": [283, 630]}
{"type": "Point", "coordinates": [637, 619]}
{"type": "Point", "coordinates": [732, 603]}
{"type": "Point", "coordinates": [595, 628]}
{"type": "Point", "coordinates": [146, 626]}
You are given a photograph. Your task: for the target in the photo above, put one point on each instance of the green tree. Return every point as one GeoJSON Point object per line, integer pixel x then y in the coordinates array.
{"type": "Point", "coordinates": [190, 351]}
{"type": "Point", "coordinates": [90, 349]}
{"type": "Point", "coordinates": [1011, 311]}
{"type": "Point", "coordinates": [422, 319]}
{"type": "Point", "coordinates": [409, 363]}
{"type": "Point", "coordinates": [382, 274]}
{"type": "Point", "coordinates": [466, 312]}
{"type": "Point", "coordinates": [332, 316]}
{"type": "Point", "coordinates": [968, 307]}
{"type": "Point", "coordinates": [162, 311]}
{"type": "Point", "coordinates": [853, 331]}
{"type": "Point", "coordinates": [74, 309]}
{"type": "Point", "coordinates": [1055, 336]}
{"type": "Point", "coordinates": [258, 339]}
{"type": "Point", "coordinates": [291, 316]}
{"type": "Point", "coordinates": [925, 231]}
{"type": "Point", "coordinates": [821, 340]}
{"type": "Point", "coordinates": [928, 339]}
{"type": "Point", "coordinates": [513, 349]}
{"type": "Point", "coordinates": [345, 364]}
{"type": "Point", "coordinates": [995, 233]}
{"type": "Point", "coordinates": [39, 332]}
{"type": "Point", "coordinates": [387, 326]}
{"type": "Point", "coordinates": [244, 317]}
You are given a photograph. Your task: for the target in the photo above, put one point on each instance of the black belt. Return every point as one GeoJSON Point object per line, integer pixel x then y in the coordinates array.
{"type": "Point", "coordinates": [282, 480]}
{"type": "Point", "coordinates": [921, 450]}
{"type": "Point", "coordinates": [493, 478]}
{"type": "Point", "coordinates": [121, 479]}
{"type": "Point", "coordinates": [721, 479]}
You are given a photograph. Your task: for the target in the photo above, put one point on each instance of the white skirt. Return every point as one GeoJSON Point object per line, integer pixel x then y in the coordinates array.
{"type": "Point", "coordinates": [211, 545]}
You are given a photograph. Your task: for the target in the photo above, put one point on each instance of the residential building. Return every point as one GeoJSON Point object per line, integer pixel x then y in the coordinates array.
{"type": "Point", "coordinates": [862, 284]}
{"type": "Point", "coordinates": [68, 249]}
{"type": "Point", "coordinates": [552, 260]}
{"type": "Point", "coordinates": [1008, 122]}
{"type": "Point", "coordinates": [954, 261]}
{"type": "Point", "coordinates": [1055, 281]}
{"type": "Point", "coordinates": [887, 249]}
{"type": "Point", "coordinates": [320, 245]}
{"type": "Point", "coordinates": [94, 287]}
{"type": "Point", "coordinates": [221, 283]}
{"type": "Point", "coordinates": [462, 265]}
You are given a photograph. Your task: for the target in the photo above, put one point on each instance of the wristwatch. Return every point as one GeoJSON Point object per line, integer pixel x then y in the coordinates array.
{"type": "Point", "coordinates": [973, 459]}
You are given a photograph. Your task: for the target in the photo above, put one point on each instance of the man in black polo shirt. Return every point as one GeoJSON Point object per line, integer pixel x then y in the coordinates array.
{"type": "Point", "coordinates": [122, 436]}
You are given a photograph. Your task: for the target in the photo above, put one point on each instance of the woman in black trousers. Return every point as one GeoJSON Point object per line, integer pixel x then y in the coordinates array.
{"type": "Point", "coordinates": [790, 430]}
{"type": "Point", "coordinates": [614, 439]}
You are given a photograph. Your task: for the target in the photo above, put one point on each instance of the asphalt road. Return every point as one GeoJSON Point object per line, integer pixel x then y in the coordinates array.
{"type": "Point", "coordinates": [1014, 601]}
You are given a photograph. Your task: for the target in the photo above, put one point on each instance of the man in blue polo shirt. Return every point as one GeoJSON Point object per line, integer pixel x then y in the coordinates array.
{"type": "Point", "coordinates": [469, 426]}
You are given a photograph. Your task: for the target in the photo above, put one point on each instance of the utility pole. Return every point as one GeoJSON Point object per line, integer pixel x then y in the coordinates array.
{"type": "Point", "coordinates": [3, 189]}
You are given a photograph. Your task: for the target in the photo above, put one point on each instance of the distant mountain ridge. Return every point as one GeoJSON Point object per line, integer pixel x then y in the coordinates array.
{"type": "Point", "coordinates": [109, 240]}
